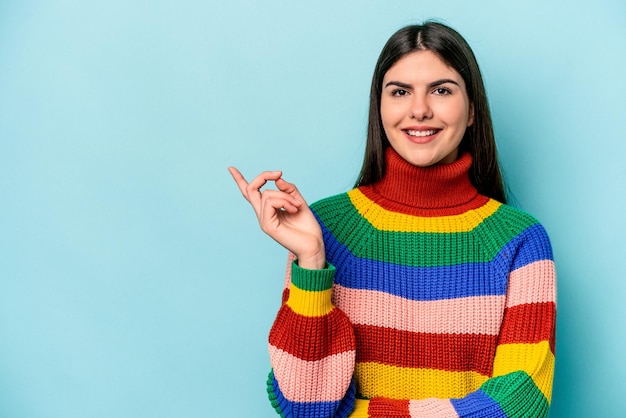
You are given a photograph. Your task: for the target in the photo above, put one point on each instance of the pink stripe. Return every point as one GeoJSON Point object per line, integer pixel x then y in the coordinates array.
{"type": "Point", "coordinates": [290, 257]}
{"type": "Point", "coordinates": [533, 283]}
{"type": "Point", "coordinates": [325, 380]}
{"type": "Point", "coordinates": [470, 315]}
{"type": "Point", "coordinates": [432, 408]}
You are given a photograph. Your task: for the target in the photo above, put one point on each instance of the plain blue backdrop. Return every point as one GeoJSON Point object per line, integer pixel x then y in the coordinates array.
{"type": "Point", "coordinates": [134, 281]}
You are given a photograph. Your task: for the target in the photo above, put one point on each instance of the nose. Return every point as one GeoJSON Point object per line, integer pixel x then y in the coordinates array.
{"type": "Point", "coordinates": [420, 108]}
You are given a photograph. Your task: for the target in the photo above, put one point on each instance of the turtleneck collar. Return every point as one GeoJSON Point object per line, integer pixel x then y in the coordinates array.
{"type": "Point", "coordinates": [440, 187]}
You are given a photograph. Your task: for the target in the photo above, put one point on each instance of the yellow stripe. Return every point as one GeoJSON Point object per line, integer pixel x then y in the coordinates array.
{"type": "Point", "coordinates": [309, 303]}
{"type": "Point", "coordinates": [361, 408]}
{"type": "Point", "coordinates": [535, 359]}
{"type": "Point", "coordinates": [385, 220]}
{"type": "Point", "coordinates": [408, 383]}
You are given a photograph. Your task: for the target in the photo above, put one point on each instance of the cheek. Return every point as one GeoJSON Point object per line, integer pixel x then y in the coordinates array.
{"type": "Point", "coordinates": [389, 114]}
{"type": "Point", "coordinates": [457, 114]}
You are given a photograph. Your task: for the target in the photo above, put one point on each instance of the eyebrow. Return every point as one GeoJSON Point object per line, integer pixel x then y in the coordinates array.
{"type": "Point", "coordinates": [430, 85]}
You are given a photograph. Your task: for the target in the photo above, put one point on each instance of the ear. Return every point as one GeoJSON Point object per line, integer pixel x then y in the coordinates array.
{"type": "Point", "coordinates": [470, 117]}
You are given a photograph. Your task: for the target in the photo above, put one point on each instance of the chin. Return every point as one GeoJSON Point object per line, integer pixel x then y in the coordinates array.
{"type": "Point", "coordinates": [423, 161]}
{"type": "Point", "coordinates": [430, 159]}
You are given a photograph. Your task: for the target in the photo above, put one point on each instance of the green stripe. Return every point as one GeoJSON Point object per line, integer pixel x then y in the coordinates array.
{"type": "Point", "coordinates": [517, 395]}
{"type": "Point", "coordinates": [272, 395]}
{"type": "Point", "coordinates": [312, 280]}
{"type": "Point", "coordinates": [416, 248]}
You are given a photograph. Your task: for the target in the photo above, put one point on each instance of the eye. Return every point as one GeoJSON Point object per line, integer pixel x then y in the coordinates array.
{"type": "Point", "coordinates": [442, 91]}
{"type": "Point", "coordinates": [399, 92]}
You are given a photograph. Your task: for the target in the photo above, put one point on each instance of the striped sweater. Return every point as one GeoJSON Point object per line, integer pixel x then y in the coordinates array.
{"type": "Point", "coordinates": [436, 302]}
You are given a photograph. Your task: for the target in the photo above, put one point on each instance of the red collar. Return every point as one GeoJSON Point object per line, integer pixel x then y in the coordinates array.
{"type": "Point", "coordinates": [437, 190]}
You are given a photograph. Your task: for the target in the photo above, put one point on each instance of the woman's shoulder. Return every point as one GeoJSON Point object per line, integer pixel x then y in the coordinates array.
{"type": "Point", "coordinates": [515, 216]}
{"type": "Point", "coordinates": [518, 236]}
{"type": "Point", "coordinates": [516, 224]}
{"type": "Point", "coordinates": [332, 203]}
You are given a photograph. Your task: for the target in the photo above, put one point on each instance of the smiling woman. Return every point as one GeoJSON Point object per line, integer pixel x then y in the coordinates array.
{"type": "Point", "coordinates": [419, 292]}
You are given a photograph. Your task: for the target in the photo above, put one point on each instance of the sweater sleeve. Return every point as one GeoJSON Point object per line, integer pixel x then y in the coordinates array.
{"type": "Point", "coordinates": [312, 349]}
{"type": "Point", "coordinates": [521, 381]}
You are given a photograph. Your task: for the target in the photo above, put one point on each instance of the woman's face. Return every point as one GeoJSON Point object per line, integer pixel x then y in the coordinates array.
{"type": "Point", "coordinates": [425, 109]}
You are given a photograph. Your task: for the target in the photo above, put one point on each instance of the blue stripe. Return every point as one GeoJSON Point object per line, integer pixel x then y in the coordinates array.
{"type": "Point", "coordinates": [286, 408]}
{"type": "Point", "coordinates": [421, 283]}
{"type": "Point", "coordinates": [442, 282]}
{"type": "Point", "coordinates": [477, 404]}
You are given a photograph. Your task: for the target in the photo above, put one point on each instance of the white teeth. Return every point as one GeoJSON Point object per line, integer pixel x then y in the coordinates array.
{"type": "Point", "coordinates": [421, 133]}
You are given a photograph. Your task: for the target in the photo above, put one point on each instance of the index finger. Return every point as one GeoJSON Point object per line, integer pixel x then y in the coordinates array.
{"type": "Point", "coordinates": [240, 180]}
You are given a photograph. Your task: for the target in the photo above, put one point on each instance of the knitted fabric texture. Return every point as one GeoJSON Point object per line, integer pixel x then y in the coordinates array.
{"type": "Point", "coordinates": [436, 302]}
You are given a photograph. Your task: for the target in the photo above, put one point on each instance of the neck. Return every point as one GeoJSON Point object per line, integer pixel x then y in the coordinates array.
{"type": "Point", "coordinates": [442, 188]}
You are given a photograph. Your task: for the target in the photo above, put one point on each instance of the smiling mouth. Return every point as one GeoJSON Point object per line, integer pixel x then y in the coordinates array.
{"type": "Point", "coordinates": [421, 134]}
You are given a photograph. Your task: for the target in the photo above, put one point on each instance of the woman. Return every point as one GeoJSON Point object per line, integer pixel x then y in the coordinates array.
{"type": "Point", "coordinates": [419, 293]}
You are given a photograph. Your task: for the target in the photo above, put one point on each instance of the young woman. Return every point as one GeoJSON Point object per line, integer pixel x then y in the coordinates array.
{"type": "Point", "coordinates": [419, 293]}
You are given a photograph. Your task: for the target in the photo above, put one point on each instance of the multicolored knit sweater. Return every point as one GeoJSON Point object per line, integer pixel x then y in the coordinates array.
{"type": "Point", "coordinates": [436, 302]}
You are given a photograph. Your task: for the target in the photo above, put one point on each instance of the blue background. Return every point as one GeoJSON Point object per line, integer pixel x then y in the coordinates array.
{"type": "Point", "coordinates": [134, 281]}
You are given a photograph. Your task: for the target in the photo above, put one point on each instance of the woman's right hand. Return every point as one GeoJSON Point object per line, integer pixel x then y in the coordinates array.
{"type": "Point", "coordinates": [284, 215]}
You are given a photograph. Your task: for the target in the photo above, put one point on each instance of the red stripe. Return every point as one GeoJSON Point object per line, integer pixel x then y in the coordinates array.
{"type": "Point", "coordinates": [312, 338]}
{"type": "Point", "coordinates": [384, 407]}
{"type": "Point", "coordinates": [529, 323]}
{"type": "Point", "coordinates": [452, 352]}
{"type": "Point", "coordinates": [390, 205]}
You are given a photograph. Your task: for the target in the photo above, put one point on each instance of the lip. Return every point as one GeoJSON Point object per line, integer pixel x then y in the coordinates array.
{"type": "Point", "coordinates": [421, 139]}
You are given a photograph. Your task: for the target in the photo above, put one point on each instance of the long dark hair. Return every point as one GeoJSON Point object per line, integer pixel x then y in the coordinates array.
{"type": "Point", "coordinates": [479, 138]}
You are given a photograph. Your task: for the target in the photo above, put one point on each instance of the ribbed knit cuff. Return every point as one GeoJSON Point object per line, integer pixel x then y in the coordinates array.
{"type": "Point", "coordinates": [311, 290]}
{"type": "Point", "coordinates": [517, 394]}
{"type": "Point", "coordinates": [312, 280]}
